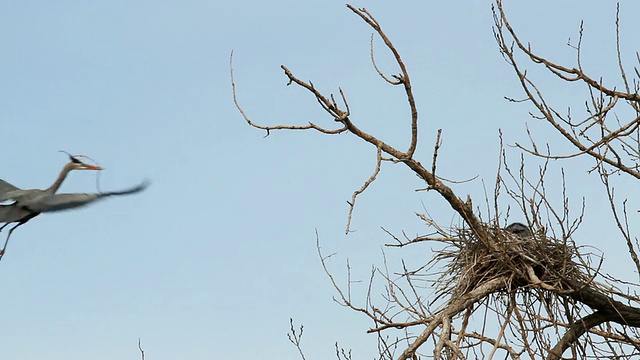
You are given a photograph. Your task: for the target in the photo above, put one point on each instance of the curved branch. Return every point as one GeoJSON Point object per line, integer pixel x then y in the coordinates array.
{"type": "Point", "coordinates": [403, 78]}
{"type": "Point", "coordinates": [275, 127]}
{"type": "Point", "coordinates": [576, 330]}
{"type": "Point", "coordinates": [614, 310]}
{"type": "Point", "coordinates": [562, 71]}
{"type": "Point", "coordinates": [371, 179]}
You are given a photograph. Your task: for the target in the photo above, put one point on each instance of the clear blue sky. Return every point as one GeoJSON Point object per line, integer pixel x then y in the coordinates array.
{"type": "Point", "coordinates": [216, 256]}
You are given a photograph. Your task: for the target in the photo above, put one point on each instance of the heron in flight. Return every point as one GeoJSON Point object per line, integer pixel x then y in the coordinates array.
{"type": "Point", "coordinates": [30, 203]}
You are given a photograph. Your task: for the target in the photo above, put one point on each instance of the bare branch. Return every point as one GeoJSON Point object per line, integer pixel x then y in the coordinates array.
{"type": "Point", "coordinates": [296, 337]}
{"type": "Point", "coordinates": [403, 78]}
{"type": "Point", "coordinates": [276, 127]}
{"type": "Point", "coordinates": [611, 141]}
{"type": "Point", "coordinates": [371, 179]}
{"type": "Point", "coordinates": [140, 348]}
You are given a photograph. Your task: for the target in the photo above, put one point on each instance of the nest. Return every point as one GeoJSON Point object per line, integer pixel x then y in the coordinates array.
{"type": "Point", "coordinates": [530, 261]}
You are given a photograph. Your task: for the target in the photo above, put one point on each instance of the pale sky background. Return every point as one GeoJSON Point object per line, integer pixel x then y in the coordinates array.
{"type": "Point", "coordinates": [216, 256]}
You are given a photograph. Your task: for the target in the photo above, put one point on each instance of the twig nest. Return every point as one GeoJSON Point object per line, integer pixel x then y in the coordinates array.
{"type": "Point", "coordinates": [529, 259]}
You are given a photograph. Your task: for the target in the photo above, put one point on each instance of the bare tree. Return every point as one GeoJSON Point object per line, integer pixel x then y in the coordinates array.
{"type": "Point", "coordinates": [526, 290]}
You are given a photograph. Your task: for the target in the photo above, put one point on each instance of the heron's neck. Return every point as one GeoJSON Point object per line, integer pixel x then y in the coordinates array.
{"type": "Point", "coordinates": [63, 175]}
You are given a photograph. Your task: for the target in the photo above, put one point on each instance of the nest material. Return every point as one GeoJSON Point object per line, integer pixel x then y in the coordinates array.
{"type": "Point", "coordinates": [472, 261]}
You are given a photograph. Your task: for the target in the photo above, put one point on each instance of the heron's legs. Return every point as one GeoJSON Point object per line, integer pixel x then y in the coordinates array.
{"type": "Point", "coordinates": [6, 242]}
{"type": "Point", "coordinates": [20, 223]}
{"type": "Point", "coordinates": [4, 226]}
{"type": "Point", "coordinates": [5, 245]}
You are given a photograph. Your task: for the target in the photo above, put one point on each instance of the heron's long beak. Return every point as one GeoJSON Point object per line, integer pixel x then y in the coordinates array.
{"type": "Point", "coordinates": [91, 167]}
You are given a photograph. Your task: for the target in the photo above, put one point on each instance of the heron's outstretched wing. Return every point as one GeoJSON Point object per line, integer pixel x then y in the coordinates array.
{"type": "Point", "coordinates": [7, 190]}
{"type": "Point", "coordinates": [60, 202]}
{"type": "Point", "coordinates": [132, 190]}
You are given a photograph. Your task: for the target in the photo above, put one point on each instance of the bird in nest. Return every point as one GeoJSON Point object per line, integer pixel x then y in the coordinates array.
{"type": "Point", "coordinates": [519, 229]}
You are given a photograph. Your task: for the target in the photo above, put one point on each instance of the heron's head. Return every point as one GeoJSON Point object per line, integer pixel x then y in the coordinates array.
{"type": "Point", "coordinates": [519, 229]}
{"type": "Point", "coordinates": [76, 164]}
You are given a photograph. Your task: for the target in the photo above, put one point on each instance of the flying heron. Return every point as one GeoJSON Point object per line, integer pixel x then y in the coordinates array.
{"type": "Point", "coordinates": [30, 203]}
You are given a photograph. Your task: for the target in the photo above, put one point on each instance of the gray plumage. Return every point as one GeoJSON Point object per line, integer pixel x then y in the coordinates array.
{"type": "Point", "coordinates": [519, 229]}
{"type": "Point", "coordinates": [60, 202]}
{"type": "Point", "coordinates": [23, 211]}
{"type": "Point", "coordinates": [27, 204]}
{"type": "Point", "coordinates": [5, 190]}
{"type": "Point", "coordinates": [12, 192]}
{"type": "Point", "coordinates": [12, 213]}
